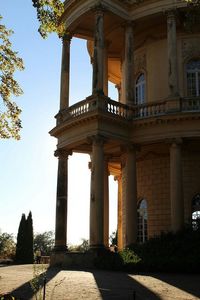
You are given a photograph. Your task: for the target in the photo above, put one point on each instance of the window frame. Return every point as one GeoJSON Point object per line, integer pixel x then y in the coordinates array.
{"type": "Point", "coordinates": [196, 73]}
{"type": "Point", "coordinates": [142, 235]}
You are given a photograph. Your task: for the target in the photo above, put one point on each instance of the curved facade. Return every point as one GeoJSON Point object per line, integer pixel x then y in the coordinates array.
{"type": "Point", "coordinates": [150, 138]}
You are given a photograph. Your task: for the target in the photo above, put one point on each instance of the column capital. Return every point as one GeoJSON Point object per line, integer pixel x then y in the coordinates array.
{"type": "Point", "coordinates": [67, 37]}
{"type": "Point", "coordinates": [117, 177]}
{"type": "Point", "coordinates": [174, 141]}
{"type": "Point", "coordinates": [99, 9]}
{"type": "Point", "coordinates": [171, 13]}
{"type": "Point", "coordinates": [97, 139]}
{"type": "Point", "coordinates": [62, 153]}
{"type": "Point", "coordinates": [128, 24]}
{"type": "Point", "coordinates": [130, 147]}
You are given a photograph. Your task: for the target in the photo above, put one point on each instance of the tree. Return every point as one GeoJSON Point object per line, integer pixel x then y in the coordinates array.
{"type": "Point", "coordinates": [7, 245]}
{"type": "Point", "coordinates": [10, 123]}
{"type": "Point", "coordinates": [29, 238]}
{"type": "Point", "coordinates": [49, 14]}
{"type": "Point", "coordinates": [24, 247]}
{"type": "Point", "coordinates": [20, 247]}
{"type": "Point", "coordinates": [44, 242]}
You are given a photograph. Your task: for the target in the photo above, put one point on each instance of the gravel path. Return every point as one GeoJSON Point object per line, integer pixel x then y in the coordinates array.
{"type": "Point", "coordinates": [96, 284]}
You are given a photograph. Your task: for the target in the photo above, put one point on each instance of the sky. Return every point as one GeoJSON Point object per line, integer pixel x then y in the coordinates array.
{"type": "Point", "coordinates": [28, 168]}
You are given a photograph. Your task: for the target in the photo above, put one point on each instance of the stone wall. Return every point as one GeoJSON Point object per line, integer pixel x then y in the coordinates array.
{"type": "Point", "coordinates": [153, 184]}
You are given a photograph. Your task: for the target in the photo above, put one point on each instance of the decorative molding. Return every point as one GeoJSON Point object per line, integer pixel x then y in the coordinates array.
{"type": "Point", "coordinates": [132, 1]}
{"type": "Point", "coordinates": [140, 62]}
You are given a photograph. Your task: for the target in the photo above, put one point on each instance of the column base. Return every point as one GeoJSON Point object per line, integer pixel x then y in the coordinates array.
{"type": "Point", "coordinates": [60, 249]}
{"type": "Point", "coordinates": [98, 249]}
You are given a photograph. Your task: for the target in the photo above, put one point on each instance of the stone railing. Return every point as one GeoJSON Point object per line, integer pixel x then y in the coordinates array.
{"type": "Point", "coordinates": [149, 110]}
{"type": "Point", "coordinates": [102, 104]}
{"type": "Point", "coordinates": [91, 104]}
{"type": "Point", "coordinates": [190, 104]}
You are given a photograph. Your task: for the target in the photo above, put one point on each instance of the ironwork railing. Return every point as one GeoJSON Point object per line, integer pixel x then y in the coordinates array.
{"type": "Point", "coordinates": [107, 106]}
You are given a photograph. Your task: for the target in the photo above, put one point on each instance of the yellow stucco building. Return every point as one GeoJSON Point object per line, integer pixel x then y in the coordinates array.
{"type": "Point", "coordinates": [149, 139]}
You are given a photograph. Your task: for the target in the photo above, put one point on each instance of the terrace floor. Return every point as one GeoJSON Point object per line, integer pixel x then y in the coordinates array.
{"type": "Point", "coordinates": [96, 284]}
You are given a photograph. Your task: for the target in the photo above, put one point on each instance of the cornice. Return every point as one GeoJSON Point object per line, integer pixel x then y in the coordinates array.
{"type": "Point", "coordinates": [165, 119]}
{"type": "Point", "coordinates": [84, 119]}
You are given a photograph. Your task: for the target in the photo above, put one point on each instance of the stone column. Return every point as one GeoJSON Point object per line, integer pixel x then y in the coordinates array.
{"type": "Point", "coordinates": [106, 204]}
{"type": "Point", "coordinates": [61, 201]}
{"type": "Point", "coordinates": [172, 54]}
{"type": "Point", "coordinates": [129, 194]}
{"type": "Point", "coordinates": [176, 188]}
{"type": "Point", "coordinates": [98, 57]}
{"type": "Point", "coordinates": [119, 89]}
{"type": "Point", "coordinates": [65, 73]}
{"type": "Point", "coordinates": [97, 195]}
{"type": "Point", "coordinates": [119, 214]}
{"type": "Point", "coordinates": [128, 84]}
{"type": "Point", "coordinates": [105, 77]}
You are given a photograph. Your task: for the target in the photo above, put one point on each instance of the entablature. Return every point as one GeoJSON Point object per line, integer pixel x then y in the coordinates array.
{"type": "Point", "coordinates": [81, 11]}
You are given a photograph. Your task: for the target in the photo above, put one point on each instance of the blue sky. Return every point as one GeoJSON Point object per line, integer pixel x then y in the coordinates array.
{"type": "Point", "coordinates": [28, 168]}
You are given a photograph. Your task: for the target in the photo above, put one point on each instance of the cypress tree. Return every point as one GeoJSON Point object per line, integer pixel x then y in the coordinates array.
{"type": "Point", "coordinates": [20, 247]}
{"type": "Point", "coordinates": [24, 247]}
{"type": "Point", "coordinates": [29, 239]}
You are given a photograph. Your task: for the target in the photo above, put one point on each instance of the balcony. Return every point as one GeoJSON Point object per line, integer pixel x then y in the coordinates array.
{"type": "Point", "coordinates": [118, 110]}
{"type": "Point", "coordinates": [121, 124]}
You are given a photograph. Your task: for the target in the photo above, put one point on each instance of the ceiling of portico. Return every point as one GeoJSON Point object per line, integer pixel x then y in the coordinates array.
{"type": "Point", "coordinates": [149, 25]}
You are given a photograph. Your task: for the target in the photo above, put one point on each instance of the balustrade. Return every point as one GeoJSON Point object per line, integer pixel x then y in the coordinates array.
{"type": "Point", "coordinates": [191, 104]}
{"type": "Point", "coordinates": [117, 109]}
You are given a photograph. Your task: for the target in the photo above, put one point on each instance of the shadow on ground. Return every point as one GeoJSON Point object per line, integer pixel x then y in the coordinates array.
{"type": "Point", "coordinates": [25, 291]}
{"type": "Point", "coordinates": [189, 283]}
{"type": "Point", "coordinates": [120, 286]}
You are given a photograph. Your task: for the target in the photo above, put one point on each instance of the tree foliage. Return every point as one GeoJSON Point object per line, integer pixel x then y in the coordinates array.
{"type": "Point", "coordinates": [44, 242]}
{"type": "Point", "coordinates": [48, 14]}
{"type": "Point", "coordinates": [83, 247]}
{"type": "Point", "coordinates": [10, 123]}
{"type": "Point", "coordinates": [29, 238]}
{"type": "Point", "coordinates": [7, 245]}
{"type": "Point", "coordinates": [24, 247]}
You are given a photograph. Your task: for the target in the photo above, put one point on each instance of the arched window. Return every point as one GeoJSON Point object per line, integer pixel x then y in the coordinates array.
{"type": "Point", "coordinates": [142, 221]}
{"type": "Point", "coordinates": [140, 89]}
{"type": "Point", "coordinates": [196, 212]}
{"type": "Point", "coordinates": [193, 78]}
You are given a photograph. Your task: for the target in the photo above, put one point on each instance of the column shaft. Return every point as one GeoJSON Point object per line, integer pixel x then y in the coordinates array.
{"type": "Point", "coordinates": [98, 62]}
{"type": "Point", "coordinates": [106, 204]}
{"type": "Point", "coordinates": [97, 195]}
{"type": "Point", "coordinates": [65, 73]}
{"type": "Point", "coordinates": [119, 215]}
{"type": "Point", "coordinates": [129, 192]}
{"type": "Point", "coordinates": [128, 90]}
{"type": "Point", "coordinates": [105, 78]}
{"type": "Point", "coordinates": [176, 189]}
{"type": "Point", "coordinates": [172, 55]}
{"type": "Point", "coordinates": [61, 202]}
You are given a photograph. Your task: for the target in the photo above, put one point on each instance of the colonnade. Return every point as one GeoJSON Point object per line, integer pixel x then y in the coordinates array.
{"type": "Point", "coordinates": [99, 202]}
